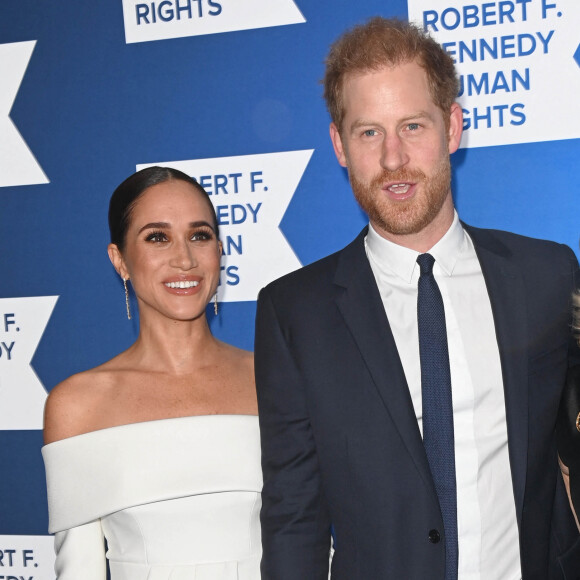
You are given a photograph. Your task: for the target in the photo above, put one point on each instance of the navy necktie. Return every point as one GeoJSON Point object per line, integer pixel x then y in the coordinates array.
{"type": "Point", "coordinates": [438, 437]}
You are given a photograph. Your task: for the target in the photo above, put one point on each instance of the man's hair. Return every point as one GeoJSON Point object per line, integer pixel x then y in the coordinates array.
{"type": "Point", "coordinates": [380, 43]}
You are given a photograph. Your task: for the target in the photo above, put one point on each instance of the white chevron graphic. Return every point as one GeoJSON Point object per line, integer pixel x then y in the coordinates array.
{"type": "Point", "coordinates": [22, 395]}
{"type": "Point", "coordinates": [154, 20]}
{"type": "Point", "coordinates": [18, 165]}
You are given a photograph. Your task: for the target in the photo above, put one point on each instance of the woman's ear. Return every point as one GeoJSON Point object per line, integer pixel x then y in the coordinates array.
{"type": "Point", "coordinates": [117, 260]}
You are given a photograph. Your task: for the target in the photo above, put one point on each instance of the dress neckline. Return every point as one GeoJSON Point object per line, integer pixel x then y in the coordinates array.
{"type": "Point", "coordinates": [160, 422]}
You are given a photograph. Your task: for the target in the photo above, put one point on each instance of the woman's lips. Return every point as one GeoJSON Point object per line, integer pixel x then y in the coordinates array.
{"type": "Point", "coordinates": [183, 286]}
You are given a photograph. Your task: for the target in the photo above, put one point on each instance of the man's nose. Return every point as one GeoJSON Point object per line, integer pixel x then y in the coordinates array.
{"type": "Point", "coordinates": [394, 153]}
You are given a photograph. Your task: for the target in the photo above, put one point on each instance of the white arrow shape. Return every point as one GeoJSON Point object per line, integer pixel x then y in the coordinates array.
{"type": "Point", "coordinates": [17, 163]}
{"type": "Point", "coordinates": [160, 20]}
{"type": "Point", "coordinates": [524, 88]}
{"type": "Point", "coordinates": [22, 396]}
{"type": "Point", "coordinates": [25, 553]}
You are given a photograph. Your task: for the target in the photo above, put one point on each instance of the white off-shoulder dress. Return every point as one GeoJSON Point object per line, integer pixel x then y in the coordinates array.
{"type": "Point", "coordinates": [175, 499]}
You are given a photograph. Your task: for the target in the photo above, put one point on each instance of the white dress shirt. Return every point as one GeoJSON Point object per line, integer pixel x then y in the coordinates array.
{"type": "Point", "coordinates": [487, 525]}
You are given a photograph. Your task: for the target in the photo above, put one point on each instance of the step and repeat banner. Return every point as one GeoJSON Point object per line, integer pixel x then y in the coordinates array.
{"type": "Point", "coordinates": [230, 93]}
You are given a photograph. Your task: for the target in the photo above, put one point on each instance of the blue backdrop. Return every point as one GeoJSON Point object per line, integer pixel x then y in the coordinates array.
{"type": "Point", "coordinates": [91, 107]}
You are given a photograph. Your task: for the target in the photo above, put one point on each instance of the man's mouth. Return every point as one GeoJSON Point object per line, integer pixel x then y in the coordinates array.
{"type": "Point", "coordinates": [399, 188]}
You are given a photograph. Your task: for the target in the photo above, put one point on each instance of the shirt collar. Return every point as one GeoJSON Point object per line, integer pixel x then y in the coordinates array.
{"type": "Point", "coordinates": [402, 261]}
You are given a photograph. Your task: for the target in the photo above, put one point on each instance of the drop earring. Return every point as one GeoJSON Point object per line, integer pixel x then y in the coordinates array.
{"type": "Point", "coordinates": [127, 298]}
{"type": "Point", "coordinates": [215, 304]}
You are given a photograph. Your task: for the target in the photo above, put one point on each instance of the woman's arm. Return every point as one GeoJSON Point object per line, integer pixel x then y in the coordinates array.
{"type": "Point", "coordinates": [80, 553]}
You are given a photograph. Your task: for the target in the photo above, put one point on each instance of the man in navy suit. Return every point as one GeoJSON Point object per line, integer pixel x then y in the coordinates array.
{"type": "Point", "coordinates": [339, 368]}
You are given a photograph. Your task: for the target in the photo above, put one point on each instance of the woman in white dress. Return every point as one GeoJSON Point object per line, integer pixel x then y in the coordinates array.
{"type": "Point", "coordinates": [157, 450]}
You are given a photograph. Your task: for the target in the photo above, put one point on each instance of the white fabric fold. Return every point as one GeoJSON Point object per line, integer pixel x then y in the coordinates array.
{"type": "Point", "coordinates": [99, 473]}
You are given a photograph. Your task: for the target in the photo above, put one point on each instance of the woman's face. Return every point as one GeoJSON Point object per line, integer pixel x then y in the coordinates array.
{"type": "Point", "coordinates": [172, 254]}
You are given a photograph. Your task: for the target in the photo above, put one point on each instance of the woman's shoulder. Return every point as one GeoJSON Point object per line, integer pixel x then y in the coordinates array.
{"type": "Point", "coordinates": [235, 373]}
{"type": "Point", "coordinates": [70, 405]}
{"type": "Point", "coordinates": [231, 354]}
{"type": "Point", "coordinates": [236, 363]}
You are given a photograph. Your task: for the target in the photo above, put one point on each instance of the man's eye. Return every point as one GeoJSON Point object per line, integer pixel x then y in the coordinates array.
{"type": "Point", "coordinates": [370, 133]}
{"type": "Point", "coordinates": [413, 126]}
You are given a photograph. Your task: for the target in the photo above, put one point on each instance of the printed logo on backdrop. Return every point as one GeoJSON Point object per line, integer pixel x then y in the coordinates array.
{"type": "Point", "coordinates": [27, 558]}
{"type": "Point", "coordinates": [161, 19]}
{"type": "Point", "coordinates": [519, 77]}
{"type": "Point", "coordinates": [17, 163]}
{"type": "Point", "coordinates": [22, 396]}
{"type": "Point", "coordinates": [250, 194]}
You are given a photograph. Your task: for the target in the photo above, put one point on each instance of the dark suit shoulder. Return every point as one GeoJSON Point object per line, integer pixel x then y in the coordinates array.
{"type": "Point", "coordinates": [521, 248]}
{"type": "Point", "coordinates": [320, 273]}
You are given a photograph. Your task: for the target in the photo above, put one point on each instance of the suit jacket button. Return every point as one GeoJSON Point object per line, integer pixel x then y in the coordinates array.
{"type": "Point", "coordinates": [434, 536]}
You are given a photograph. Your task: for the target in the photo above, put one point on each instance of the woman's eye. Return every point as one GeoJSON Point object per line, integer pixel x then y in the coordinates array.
{"type": "Point", "coordinates": [156, 237]}
{"type": "Point", "coordinates": [201, 236]}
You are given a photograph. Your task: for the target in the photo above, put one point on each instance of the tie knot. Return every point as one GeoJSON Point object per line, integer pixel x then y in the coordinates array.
{"type": "Point", "coordinates": [425, 262]}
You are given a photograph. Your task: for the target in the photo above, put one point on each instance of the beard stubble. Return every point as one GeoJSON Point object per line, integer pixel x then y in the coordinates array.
{"type": "Point", "coordinates": [409, 216]}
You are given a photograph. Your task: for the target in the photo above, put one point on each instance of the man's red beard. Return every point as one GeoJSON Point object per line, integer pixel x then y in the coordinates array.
{"type": "Point", "coordinates": [407, 216]}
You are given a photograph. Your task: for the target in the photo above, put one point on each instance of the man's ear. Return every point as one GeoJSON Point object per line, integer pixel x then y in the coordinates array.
{"type": "Point", "coordinates": [337, 144]}
{"type": "Point", "coordinates": [455, 127]}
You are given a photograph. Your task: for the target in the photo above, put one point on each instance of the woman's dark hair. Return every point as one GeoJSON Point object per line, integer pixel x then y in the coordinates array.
{"type": "Point", "coordinates": [126, 195]}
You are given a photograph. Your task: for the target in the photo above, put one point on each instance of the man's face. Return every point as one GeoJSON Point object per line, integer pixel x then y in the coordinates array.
{"type": "Point", "coordinates": [396, 145]}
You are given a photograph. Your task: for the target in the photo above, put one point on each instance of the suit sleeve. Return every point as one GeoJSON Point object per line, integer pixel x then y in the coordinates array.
{"type": "Point", "coordinates": [568, 435]}
{"type": "Point", "coordinates": [80, 553]}
{"type": "Point", "coordinates": [574, 355]}
{"type": "Point", "coordinates": [295, 521]}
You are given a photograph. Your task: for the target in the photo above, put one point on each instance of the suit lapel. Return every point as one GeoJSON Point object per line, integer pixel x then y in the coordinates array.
{"type": "Point", "coordinates": [359, 301]}
{"type": "Point", "coordinates": [507, 295]}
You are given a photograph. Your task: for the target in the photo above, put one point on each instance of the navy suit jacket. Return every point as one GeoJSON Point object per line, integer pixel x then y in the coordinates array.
{"type": "Point", "coordinates": [340, 441]}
